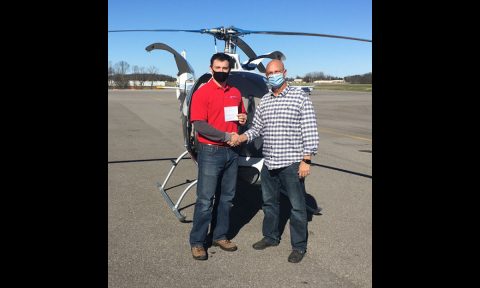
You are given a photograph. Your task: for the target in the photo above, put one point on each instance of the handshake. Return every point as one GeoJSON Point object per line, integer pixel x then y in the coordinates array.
{"type": "Point", "coordinates": [236, 139]}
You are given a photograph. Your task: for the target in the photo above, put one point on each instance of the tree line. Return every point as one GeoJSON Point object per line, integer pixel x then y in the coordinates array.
{"type": "Point", "coordinates": [314, 76]}
{"type": "Point", "coordinates": [118, 77]}
{"type": "Point", "coordinates": [359, 79]}
{"type": "Point", "coordinates": [354, 79]}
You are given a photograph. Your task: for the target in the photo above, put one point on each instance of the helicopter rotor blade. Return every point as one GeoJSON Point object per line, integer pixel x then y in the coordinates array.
{"type": "Point", "coordinates": [244, 32]}
{"type": "Point", "coordinates": [221, 32]}
{"type": "Point", "coordinates": [249, 52]}
{"type": "Point", "coordinates": [182, 64]}
{"type": "Point", "coordinates": [218, 33]}
{"type": "Point", "coordinates": [158, 30]}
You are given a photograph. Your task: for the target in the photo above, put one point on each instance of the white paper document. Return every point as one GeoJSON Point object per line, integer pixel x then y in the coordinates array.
{"type": "Point", "coordinates": [231, 113]}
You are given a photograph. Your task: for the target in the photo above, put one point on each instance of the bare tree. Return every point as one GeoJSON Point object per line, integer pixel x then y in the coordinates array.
{"type": "Point", "coordinates": [121, 80]}
{"type": "Point", "coordinates": [136, 75]}
{"type": "Point", "coordinates": [152, 72]}
{"type": "Point", "coordinates": [143, 76]}
{"type": "Point", "coordinates": [122, 67]}
{"type": "Point", "coordinates": [111, 73]}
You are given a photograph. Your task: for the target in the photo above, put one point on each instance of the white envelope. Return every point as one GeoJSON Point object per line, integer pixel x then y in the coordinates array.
{"type": "Point", "coordinates": [231, 113]}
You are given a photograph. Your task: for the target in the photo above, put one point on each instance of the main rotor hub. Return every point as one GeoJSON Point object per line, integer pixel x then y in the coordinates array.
{"type": "Point", "coordinates": [224, 33]}
{"type": "Point", "coordinates": [227, 34]}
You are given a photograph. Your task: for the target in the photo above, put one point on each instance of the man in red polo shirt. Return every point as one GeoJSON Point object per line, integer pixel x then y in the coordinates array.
{"type": "Point", "coordinates": [216, 111]}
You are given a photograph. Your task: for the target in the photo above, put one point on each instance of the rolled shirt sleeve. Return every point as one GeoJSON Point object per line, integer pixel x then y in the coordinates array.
{"type": "Point", "coordinates": [308, 125]}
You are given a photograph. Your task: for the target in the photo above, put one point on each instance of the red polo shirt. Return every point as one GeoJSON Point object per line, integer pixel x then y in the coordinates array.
{"type": "Point", "coordinates": [208, 104]}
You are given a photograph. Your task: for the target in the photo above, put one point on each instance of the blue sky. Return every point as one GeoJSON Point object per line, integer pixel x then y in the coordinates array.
{"type": "Point", "coordinates": [334, 57]}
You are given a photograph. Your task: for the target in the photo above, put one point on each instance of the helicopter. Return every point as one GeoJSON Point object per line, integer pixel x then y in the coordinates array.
{"type": "Point", "coordinates": [252, 85]}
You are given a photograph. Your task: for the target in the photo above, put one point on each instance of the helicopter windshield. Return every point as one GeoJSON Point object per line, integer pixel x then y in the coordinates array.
{"type": "Point", "coordinates": [248, 83]}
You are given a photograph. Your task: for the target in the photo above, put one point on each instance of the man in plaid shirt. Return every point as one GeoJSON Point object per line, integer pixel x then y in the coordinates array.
{"type": "Point", "coordinates": [286, 120]}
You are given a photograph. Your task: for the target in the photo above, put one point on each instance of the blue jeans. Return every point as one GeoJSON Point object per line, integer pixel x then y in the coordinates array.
{"type": "Point", "coordinates": [217, 172]}
{"type": "Point", "coordinates": [286, 178]}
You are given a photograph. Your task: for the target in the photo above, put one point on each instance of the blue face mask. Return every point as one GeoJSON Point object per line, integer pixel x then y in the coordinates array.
{"type": "Point", "coordinates": [276, 80]}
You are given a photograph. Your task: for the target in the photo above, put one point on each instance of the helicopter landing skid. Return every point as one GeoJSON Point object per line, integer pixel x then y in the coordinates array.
{"type": "Point", "coordinates": [171, 205]}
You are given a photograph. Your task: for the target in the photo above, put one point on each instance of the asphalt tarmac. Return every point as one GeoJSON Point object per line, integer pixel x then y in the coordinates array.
{"type": "Point", "coordinates": [148, 246]}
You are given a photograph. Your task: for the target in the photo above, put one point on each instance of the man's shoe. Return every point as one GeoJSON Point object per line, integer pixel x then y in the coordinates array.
{"type": "Point", "coordinates": [262, 244]}
{"type": "Point", "coordinates": [317, 211]}
{"type": "Point", "coordinates": [199, 253]}
{"type": "Point", "coordinates": [225, 244]}
{"type": "Point", "coordinates": [296, 256]}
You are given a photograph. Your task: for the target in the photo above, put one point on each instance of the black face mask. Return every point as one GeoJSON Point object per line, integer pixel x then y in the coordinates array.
{"type": "Point", "coordinates": [220, 76]}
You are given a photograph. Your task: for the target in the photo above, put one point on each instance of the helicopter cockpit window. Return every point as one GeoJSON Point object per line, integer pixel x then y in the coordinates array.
{"type": "Point", "coordinates": [248, 83]}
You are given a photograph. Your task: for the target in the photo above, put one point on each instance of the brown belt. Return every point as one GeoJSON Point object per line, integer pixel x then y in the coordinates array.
{"type": "Point", "coordinates": [218, 145]}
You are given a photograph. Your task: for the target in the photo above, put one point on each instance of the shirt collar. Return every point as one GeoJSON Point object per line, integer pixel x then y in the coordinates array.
{"type": "Point", "coordinates": [214, 85]}
{"type": "Point", "coordinates": [283, 93]}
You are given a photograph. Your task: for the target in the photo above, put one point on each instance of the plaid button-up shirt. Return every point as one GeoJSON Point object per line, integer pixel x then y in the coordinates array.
{"type": "Point", "coordinates": [288, 125]}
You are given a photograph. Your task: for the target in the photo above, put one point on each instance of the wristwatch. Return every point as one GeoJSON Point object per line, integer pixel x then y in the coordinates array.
{"type": "Point", "coordinates": [308, 161]}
